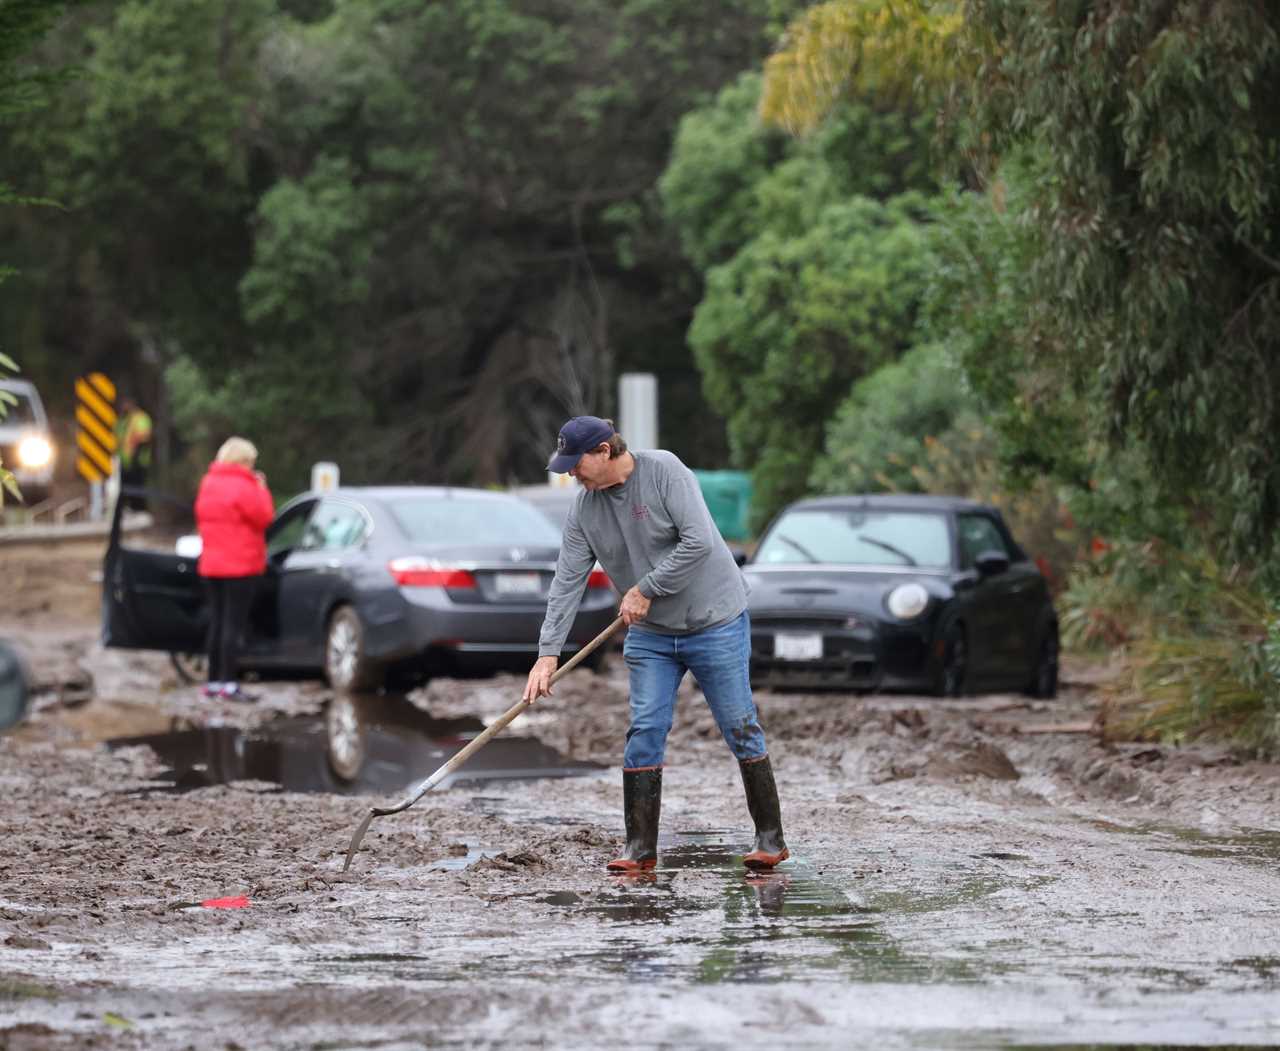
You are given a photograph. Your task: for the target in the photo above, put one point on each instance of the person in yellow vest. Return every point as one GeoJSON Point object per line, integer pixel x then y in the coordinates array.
{"type": "Point", "coordinates": [133, 448]}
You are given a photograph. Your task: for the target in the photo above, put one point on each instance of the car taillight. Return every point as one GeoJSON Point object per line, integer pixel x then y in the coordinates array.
{"type": "Point", "coordinates": [421, 573]}
{"type": "Point", "coordinates": [599, 579]}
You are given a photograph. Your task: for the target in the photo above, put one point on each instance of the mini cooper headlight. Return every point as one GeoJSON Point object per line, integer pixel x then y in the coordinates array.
{"type": "Point", "coordinates": [907, 601]}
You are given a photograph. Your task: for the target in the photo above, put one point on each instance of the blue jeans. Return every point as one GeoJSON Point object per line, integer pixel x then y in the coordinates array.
{"type": "Point", "coordinates": [719, 659]}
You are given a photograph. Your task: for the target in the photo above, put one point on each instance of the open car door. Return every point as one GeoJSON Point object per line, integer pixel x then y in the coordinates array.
{"type": "Point", "coordinates": [151, 600]}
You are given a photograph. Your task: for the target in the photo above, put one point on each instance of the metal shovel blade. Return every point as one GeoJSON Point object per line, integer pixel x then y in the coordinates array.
{"type": "Point", "coordinates": [496, 727]}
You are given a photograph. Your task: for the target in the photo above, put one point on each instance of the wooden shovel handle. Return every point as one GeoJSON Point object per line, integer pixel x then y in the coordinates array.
{"type": "Point", "coordinates": [499, 724]}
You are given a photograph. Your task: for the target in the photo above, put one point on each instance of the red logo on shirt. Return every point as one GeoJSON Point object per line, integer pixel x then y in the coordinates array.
{"type": "Point", "coordinates": [640, 511]}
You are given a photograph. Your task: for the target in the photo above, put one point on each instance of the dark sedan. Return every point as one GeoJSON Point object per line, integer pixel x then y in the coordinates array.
{"type": "Point", "coordinates": [363, 583]}
{"type": "Point", "coordinates": [899, 592]}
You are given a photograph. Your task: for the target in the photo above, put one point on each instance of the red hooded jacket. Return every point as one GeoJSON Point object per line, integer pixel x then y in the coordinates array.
{"type": "Point", "coordinates": [233, 510]}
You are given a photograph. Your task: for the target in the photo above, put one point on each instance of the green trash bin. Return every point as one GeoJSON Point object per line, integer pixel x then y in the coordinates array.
{"type": "Point", "coordinates": [728, 496]}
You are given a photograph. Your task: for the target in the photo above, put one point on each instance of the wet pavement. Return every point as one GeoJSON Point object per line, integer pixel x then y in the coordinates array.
{"type": "Point", "coordinates": [953, 885]}
{"type": "Point", "coordinates": [914, 915]}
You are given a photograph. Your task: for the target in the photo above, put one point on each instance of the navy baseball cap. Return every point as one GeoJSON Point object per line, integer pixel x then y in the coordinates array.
{"type": "Point", "coordinates": [577, 437]}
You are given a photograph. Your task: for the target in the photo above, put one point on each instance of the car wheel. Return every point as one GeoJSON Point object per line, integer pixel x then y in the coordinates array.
{"type": "Point", "coordinates": [345, 664]}
{"type": "Point", "coordinates": [346, 740]}
{"type": "Point", "coordinates": [1044, 679]}
{"type": "Point", "coordinates": [953, 674]}
{"type": "Point", "coordinates": [190, 667]}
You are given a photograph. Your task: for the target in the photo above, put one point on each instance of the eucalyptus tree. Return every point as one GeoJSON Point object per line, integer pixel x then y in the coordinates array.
{"type": "Point", "coordinates": [1149, 229]}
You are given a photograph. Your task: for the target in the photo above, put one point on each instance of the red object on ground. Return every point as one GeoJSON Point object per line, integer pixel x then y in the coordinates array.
{"type": "Point", "coordinates": [233, 510]}
{"type": "Point", "coordinates": [225, 903]}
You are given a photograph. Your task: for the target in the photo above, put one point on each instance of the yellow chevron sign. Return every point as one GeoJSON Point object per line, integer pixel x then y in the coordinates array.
{"type": "Point", "coordinates": [96, 417]}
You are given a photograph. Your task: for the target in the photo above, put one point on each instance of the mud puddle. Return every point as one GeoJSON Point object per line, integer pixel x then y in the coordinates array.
{"type": "Point", "coordinates": [699, 917]}
{"type": "Point", "coordinates": [1252, 845]}
{"type": "Point", "coordinates": [375, 744]}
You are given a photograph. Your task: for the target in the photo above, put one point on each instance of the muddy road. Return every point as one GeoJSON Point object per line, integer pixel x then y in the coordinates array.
{"type": "Point", "coordinates": [960, 878]}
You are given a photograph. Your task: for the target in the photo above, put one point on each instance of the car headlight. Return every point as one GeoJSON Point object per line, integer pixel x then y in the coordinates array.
{"type": "Point", "coordinates": [34, 452]}
{"type": "Point", "coordinates": [907, 601]}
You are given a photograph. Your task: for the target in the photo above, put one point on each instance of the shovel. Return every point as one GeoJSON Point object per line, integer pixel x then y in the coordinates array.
{"type": "Point", "coordinates": [492, 730]}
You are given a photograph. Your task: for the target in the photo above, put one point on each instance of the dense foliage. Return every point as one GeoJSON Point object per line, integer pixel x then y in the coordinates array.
{"type": "Point", "coordinates": [1157, 212]}
{"type": "Point", "coordinates": [814, 255]}
{"type": "Point", "coordinates": [407, 237]}
{"type": "Point", "coordinates": [877, 439]}
{"type": "Point", "coordinates": [1111, 294]}
{"type": "Point", "coordinates": [23, 89]}
{"type": "Point", "coordinates": [896, 51]}
{"type": "Point", "coordinates": [410, 237]}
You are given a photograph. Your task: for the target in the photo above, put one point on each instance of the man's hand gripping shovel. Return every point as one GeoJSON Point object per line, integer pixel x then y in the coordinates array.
{"type": "Point", "coordinates": [494, 728]}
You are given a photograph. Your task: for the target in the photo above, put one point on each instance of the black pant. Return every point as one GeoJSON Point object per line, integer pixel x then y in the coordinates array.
{"type": "Point", "coordinates": [229, 601]}
{"type": "Point", "coordinates": [134, 477]}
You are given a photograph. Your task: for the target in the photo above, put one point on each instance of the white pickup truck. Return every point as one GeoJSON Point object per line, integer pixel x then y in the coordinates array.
{"type": "Point", "coordinates": [26, 445]}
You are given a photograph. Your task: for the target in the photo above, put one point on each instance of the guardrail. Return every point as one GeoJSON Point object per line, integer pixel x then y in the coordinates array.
{"type": "Point", "coordinates": [37, 532]}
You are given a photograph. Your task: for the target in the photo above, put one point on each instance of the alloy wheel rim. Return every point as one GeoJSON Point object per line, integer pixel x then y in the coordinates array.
{"type": "Point", "coordinates": [342, 652]}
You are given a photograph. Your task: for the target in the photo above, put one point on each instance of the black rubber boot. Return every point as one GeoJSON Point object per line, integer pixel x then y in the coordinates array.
{"type": "Point", "coordinates": [762, 801]}
{"type": "Point", "coordinates": [641, 805]}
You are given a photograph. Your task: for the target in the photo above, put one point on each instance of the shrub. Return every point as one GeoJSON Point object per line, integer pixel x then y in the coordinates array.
{"type": "Point", "coordinates": [1201, 645]}
{"type": "Point", "coordinates": [964, 462]}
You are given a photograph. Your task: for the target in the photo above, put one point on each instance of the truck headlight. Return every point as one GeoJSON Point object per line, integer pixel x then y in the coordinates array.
{"type": "Point", "coordinates": [34, 452]}
{"type": "Point", "coordinates": [907, 601]}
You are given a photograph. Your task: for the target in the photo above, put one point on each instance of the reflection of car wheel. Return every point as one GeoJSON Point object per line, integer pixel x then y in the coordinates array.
{"type": "Point", "coordinates": [346, 741]}
{"type": "Point", "coordinates": [345, 664]}
{"type": "Point", "coordinates": [953, 674]}
{"type": "Point", "coordinates": [1044, 680]}
{"type": "Point", "coordinates": [190, 667]}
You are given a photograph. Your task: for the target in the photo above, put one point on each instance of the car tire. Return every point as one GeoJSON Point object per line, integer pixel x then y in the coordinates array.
{"type": "Point", "coordinates": [1044, 677]}
{"type": "Point", "coordinates": [346, 665]}
{"type": "Point", "coordinates": [191, 668]}
{"type": "Point", "coordinates": [952, 679]}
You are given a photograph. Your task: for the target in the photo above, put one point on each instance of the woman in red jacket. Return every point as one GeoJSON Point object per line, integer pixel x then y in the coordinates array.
{"type": "Point", "coordinates": [233, 510]}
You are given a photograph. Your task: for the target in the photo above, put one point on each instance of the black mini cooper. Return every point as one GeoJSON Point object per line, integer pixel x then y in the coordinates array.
{"type": "Point", "coordinates": [899, 592]}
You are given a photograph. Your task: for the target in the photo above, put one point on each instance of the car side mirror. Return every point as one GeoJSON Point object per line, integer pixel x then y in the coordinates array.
{"type": "Point", "coordinates": [188, 546]}
{"type": "Point", "coordinates": [991, 563]}
{"type": "Point", "coordinates": [14, 689]}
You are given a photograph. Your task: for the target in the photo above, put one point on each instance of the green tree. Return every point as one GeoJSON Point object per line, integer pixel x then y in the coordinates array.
{"type": "Point", "coordinates": [732, 176]}
{"type": "Point", "coordinates": [1157, 215]}
{"type": "Point", "coordinates": [789, 324]}
{"type": "Point", "coordinates": [876, 439]}
{"type": "Point", "coordinates": [23, 89]}
{"type": "Point", "coordinates": [812, 252]}
{"type": "Point", "coordinates": [440, 219]}
{"type": "Point", "coordinates": [896, 51]}
{"type": "Point", "coordinates": [981, 305]}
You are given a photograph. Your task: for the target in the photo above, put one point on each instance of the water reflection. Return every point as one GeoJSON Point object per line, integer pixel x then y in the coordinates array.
{"type": "Point", "coordinates": [360, 745]}
{"type": "Point", "coordinates": [770, 890]}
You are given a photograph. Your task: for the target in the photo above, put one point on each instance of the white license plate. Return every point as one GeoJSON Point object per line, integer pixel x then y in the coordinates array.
{"type": "Point", "coordinates": [797, 647]}
{"type": "Point", "coordinates": [518, 584]}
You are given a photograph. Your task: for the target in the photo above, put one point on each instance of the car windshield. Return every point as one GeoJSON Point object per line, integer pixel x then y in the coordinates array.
{"type": "Point", "coordinates": [858, 537]}
{"type": "Point", "coordinates": [555, 509]}
{"type": "Point", "coordinates": [468, 520]}
{"type": "Point", "coordinates": [20, 415]}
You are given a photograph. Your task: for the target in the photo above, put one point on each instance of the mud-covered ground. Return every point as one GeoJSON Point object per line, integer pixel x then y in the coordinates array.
{"type": "Point", "coordinates": [960, 879]}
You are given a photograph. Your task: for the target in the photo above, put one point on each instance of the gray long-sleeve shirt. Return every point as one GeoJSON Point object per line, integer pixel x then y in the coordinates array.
{"type": "Point", "coordinates": [653, 531]}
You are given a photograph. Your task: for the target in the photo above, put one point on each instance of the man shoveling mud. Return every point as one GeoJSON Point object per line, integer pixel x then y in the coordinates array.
{"type": "Point", "coordinates": [643, 517]}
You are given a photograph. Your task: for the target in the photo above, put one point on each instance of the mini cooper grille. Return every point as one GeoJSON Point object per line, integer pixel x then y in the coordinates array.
{"type": "Point", "coordinates": [807, 622]}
